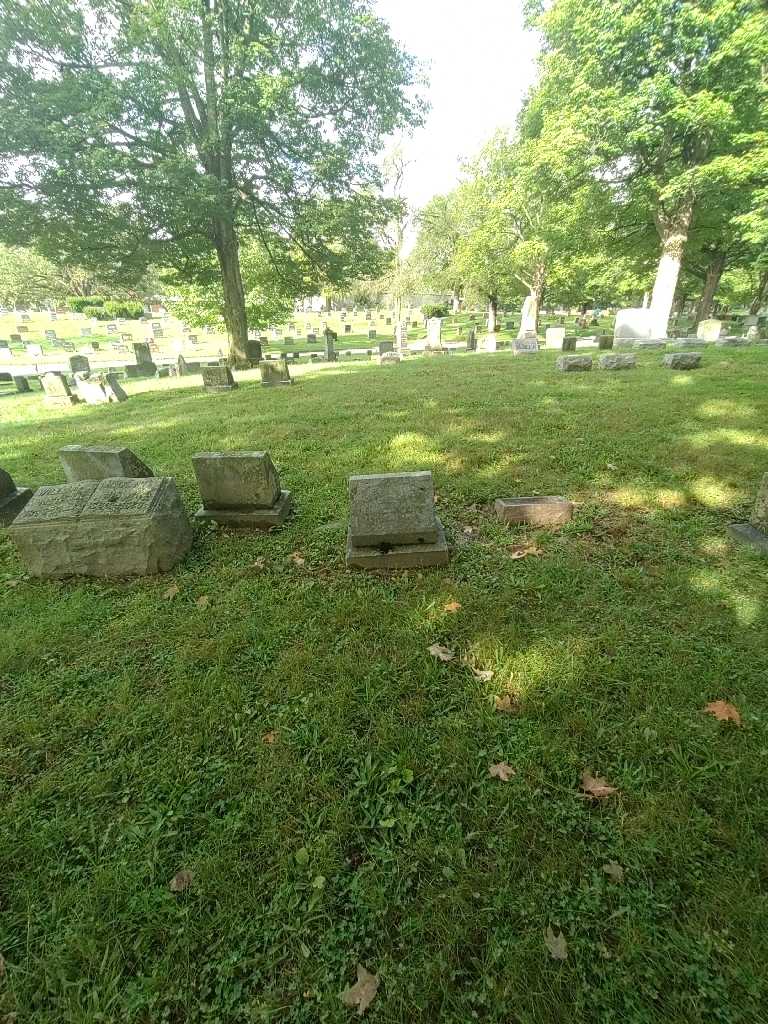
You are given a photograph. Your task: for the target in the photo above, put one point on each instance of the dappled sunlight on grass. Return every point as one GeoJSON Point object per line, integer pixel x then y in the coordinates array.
{"type": "Point", "coordinates": [746, 608]}
{"type": "Point", "coordinates": [724, 407]}
{"type": "Point", "coordinates": [682, 380]}
{"type": "Point", "coordinates": [742, 438]}
{"type": "Point", "coordinates": [714, 493]}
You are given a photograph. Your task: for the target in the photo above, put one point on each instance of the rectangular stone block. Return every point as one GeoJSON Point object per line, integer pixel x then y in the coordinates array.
{"type": "Point", "coordinates": [218, 378]}
{"type": "Point", "coordinates": [746, 533]}
{"type": "Point", "coordinates": [618, 362]}
{"type": "Point", "coordinates": [525, 346]}
{"type": "Point", "coordinates": [105, 528]}
{"type": "Point", "coordinates": [236, 480]}
{"type": "Point", "coordinates": [633, 323]}
{"type": "Point", "coordinates": [274, 376]}
{"type": "Point", "coordinates": [759, 517]}
{"type": "Point", "coordinates": [709, 330]}
{"type": "Point", "coordinates": [12, 498]}
{"type": "Point", "coordinates": [100, 462]}
{"type": "Point", "coordinates": [552, 510]}
{"type": "Point", "coordinates": [682, 361]}
{"type": "Point", "coordinates": [250, 518]}
{"type": "Point", "coordinates": [554, 337]}
{"type": "Point", "coordinates": [402, 556]}
{"type": "Point", "coordinates": [56, 390]}
{"type": "Point", "coordinates": [569, 343]}
{"type": "Point", "coordinates": [392, 509]}
{"type": "Point", "coordinates": [652, 344]}
{"type": "Point", "coordinates": [573, 364]}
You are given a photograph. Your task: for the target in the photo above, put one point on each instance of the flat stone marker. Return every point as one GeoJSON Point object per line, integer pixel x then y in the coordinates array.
{"type": "Point", "coordinates": [731, 342]}
{"type": "Point", "coordinates": [618, 362]}
{"type": "Point", "coordinates": [389, 357]}
{"type": "Point", "coordinates": [115, 527]}
{"type": "Point", "coordinates": [12, 498]}
{"type": "Point", "coordinates": [218, 378]}
{"type": "Point", "coordinates": [56, 390]}
{"type": "Point", "coordinates": [552, 510]}
{"type": "Point", "coordinates": [273, 376]}
{"type": "Point", "coordinates": [525, 346]}
{"type": "Point", "coordinates": [574, 364]}
{"type": "Point", "coordinates": [99, 462]}
{"type": "Point", "coordinates": [392, 522]}
{"type": "Point", "coordinates": [241, 489]}
{"type": "Point", "coordinates": [652, 344]}
{"type": "Point", "coordinates": [682, 361]}
{"type": "Point", "coordinates": [755, 532]}
{"type": "Point", "coordinates": [709, 330]}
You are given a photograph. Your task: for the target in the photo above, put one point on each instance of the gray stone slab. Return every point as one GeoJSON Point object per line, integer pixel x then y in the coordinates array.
{"type": "Point", "coordinates": [400, 556]}
{"type": "Point", "coordinates": [218, 378]}
{"type": "Point", "coordinates": [652, 344]}
{"type": "Point", "coordinates": [57, 390]}
{"type": "Point", "coordinates": [99, 462]}
{"type": "Point", "coordinates": [746, 533]}
{"type": "Point", "coordinates": [12, 498]}
{"type": "Point", "coordinates": [525, 346]}
{"type": "Point", "coordinates": [682, 361]}
{"type": "Point", "coordinates": [732, 342]}
{"type": "Point", "coordinates": [22, 385]}
{"type": "Point", "coordinates": [540, 510]}
{"type": "Point", "coordinates": [236, 480]}
{"type": "Point", "coordinates": [274, 376]}
{"type": "Point", "coordinates": [392, 508]}
{"type": "Point", "coordinates": [618, 362]}
{"type": "Point", "coordinates": [574, 364]}
{"type": "Point", "coordinates": [250, 518]}
{"type": "Point", "coordinates": [105, 528]}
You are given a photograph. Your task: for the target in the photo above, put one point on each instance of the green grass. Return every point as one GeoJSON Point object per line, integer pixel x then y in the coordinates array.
{"type": "Point", "coordinates": [131, 735]}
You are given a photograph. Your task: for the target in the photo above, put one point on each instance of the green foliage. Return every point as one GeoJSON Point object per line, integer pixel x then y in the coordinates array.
{"type": "Point", "coordinates": [27, 278]}
{"type": "Point", "coordinates": [121, 309]}
{"type": "Point", "coordinates": [429, 310]}
{"type": "Point", "coordinates": [78, 303]}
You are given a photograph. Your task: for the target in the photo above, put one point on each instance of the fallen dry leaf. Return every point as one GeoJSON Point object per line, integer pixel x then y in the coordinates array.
{"type": "Point", "coordinates": [502, 771]}
{"type": "Point", "coordinates": [614, 871]}
{"type": "Point", "coordinates": [506, 704]}
{"type": "Point", "coordinates": [269, 738]}
{"type": "Point", "coordinates": [297, 558]}
{"type": "Point", "coordinates": [180, 881]}
{"type": "Point", "coordinates": [468, 530]}
{"type": "Point", "coordinates": [451, 606]}
{"type": "Point", "coordinates": [203, 601]}
{"type": "Point", "coordinates": [556, 944]}
{"type": "Point", "coordinates": [723, 711]}
{"type": "Point", "coordinates": [595, 787]}
{"type": "Point", "coordinates": [442, 653]}
{"type": "Point", "coordinates": [610, 465]}
{"type": "Point", "coordinates": [171, 592]}
{"type": "Point", "coordinates": [363, 992]}
{"type": "Point", "coordinates": [483, 675]}
{"type": "Point", "coordinates": [524, 550]}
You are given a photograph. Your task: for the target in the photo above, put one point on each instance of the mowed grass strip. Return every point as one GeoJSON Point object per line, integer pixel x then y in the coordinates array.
{"type": "Point", "coordinates": [324, 778]}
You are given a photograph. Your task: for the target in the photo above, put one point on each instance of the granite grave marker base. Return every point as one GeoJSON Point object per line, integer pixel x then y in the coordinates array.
{"type": "Point", "coordinates": [274, 376]}
{"type": "Point", "coordinates": [573, 364]}
{"type": "Point", "coordinates": [392, 523]}
{"type": "Point", "coordinates": [618, 362]}
{"type": "Point", "coordinates": [103, 528]}
{"type": "Point", "coordinates": [218, 378]}
{"type": "Point", "coordinates": [541, 510]}
{"type": "Point", "coordinates": [12, 498]}
{"type": "Point", "coordinates": [100, 462]}
{"type": "Point", "coordinates": [241, 489]}
{"type": "Point", "coordinates": [57, 391]}
{"type": "Point", "coordinates": [746, 533]}
{"type": "Point", "coordinates": [682, 361]}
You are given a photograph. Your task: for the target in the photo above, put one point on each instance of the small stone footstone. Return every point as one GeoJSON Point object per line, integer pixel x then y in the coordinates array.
{"type": "Point", "coordinates": [618, 362]}
{"type": "Point", "coordinates": [12, 498]}
{"type": "Point", "coordinates": [525, 346]}
{"type": "Point", "coordinates": [655, 343]}
{"type": "Point", "coordinates": [552, 510]}
{"type": "Point", "coordinates": [389, 357]}
{"type": "Point", "coordinates": [57, 390]}
{"type": "Point", "coordinates": [682, 360]}
{"type": "Point", "coordinates": [392, 522]}
{"type": "Point", "coordinates": [116, 527]}
{"type": "Point", "coordinates": [240, 489]}
{"type": "Point", "coordinates": [755, 532]}
{"type": "Point", "coordinates": [273, 375]}
{"type": "Point", "coordinates": [99, 462]}
{"type": "Point", "coordinates": [218, 378]}
{"type": "Point", "coordinates": [573, 364]}
{"type": "Point", "coordinates": [690, 343]}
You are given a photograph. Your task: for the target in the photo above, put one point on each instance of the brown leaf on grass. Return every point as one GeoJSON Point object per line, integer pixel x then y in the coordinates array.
{"type": "Point", "coordinates": [360, 995]}
{"type": "Point", "coordinates": [181, 881]}
{"type": "Point", "coordinates": [525, 550]}
{"type": "Point", "coordinates": [483, 675]}
{"type": "Point", "coordinates": [442, 653]}
{"type": "Point", "coordinates": [506, 704]}
{"type": "Point", "coordinates": [614, 871]}
{"type": "Point", "coordinates": [468, 530]}
{"type": "Point", "coordinates": [501, 771]}
{"type": "Point", "coordinates": [203, 601]}
{"type": "Point", "coordinates": [723, 711]}
{"type": "Point", "coordinates": [260, 563]}
{"type": "Point", "coordinates": [451, 606]}
{"type": "Point", "coordinates": [556, 944]}
{"type": "Point", "coordinates": [171, 592]}
{"type": "Point", "coordinates": [269, 737]}
{"type": "Point", "coordinates": [595, 787]}
{"type": "Point", "coordinates": [297, 558]}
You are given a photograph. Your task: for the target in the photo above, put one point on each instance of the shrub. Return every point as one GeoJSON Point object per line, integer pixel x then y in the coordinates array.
{"type": "Point", "coordinates": [122, 309]}
{"type": "Point", "coordinates": [433, 309]}
{"type": "Point", "coordinates": [79, 303]}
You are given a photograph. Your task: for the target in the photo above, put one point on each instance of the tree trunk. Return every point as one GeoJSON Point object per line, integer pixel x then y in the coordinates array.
{"type": "Point", "coordinates": [227, 250]}
{"type": "Point", "coordinates": [673, 232]}
{"type": "Point", "coordinates": [715, 270]}
{"type": "Point", "coordinates": [493, 314]}
{"type": "Point", "coordinates": [760, 294]}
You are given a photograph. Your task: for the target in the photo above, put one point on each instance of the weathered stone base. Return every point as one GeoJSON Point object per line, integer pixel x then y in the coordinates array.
{"type": "Point", "coordinates": [745, 533]}
{"type": "Point", "coordinates": [58, 400]}
{"type": "Point", "coordinates": [219, 387]}
{"type": "Point", "coordinates": [537, 511]}
{"type": "Point", "coordinates": [399, 556]}
{"type": "Point", "coordinates": [12, 504]}
{"type": "Point", "coordinates": [250, 518]}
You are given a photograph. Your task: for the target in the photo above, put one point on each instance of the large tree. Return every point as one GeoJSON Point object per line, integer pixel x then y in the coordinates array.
{"type": "Point", "coordinates": [663, 88]}
{"type": "Point", "coordinates": [137, 131]}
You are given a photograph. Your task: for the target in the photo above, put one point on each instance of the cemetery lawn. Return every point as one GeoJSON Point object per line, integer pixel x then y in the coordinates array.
{"type": "Point", "coordinates": [277, 726]}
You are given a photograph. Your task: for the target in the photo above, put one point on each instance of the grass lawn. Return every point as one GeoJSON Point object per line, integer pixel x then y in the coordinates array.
{"type": "Point", "coordinates": [296, 747]}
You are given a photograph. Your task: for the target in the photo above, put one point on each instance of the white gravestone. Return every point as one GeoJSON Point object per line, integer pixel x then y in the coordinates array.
{"type": "Point", "coordinates": [555, 336]}
{"type": "Point", "coordinates": [633, 324]}
{"type": "Point", "coordinates": [709, 330]}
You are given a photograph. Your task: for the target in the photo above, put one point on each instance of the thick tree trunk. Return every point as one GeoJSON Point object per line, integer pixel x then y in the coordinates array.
{"type": "Point", "coordinates": [760, 294]}
{"type": "Point", "coordinates": [711, 284]}
{"type": "Point", "coordinates": [227, 250]}
{"type": "Point", "coordinates": [493, 314]}
{"type": "Point", "coordinates": [673, 232]}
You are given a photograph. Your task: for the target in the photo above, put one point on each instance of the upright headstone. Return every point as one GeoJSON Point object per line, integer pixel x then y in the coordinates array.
{"type": "Point", "coordinates": [753, 333]}
{"type": "Point", "coordinates": [12, 498]}
{"type": "Point", "coordinates": [99, 462]}
{"type": "Point", "coordinates": [331, 337]}
{"type": "Point", "coordinates": [472, 339]}
{"type": "Point", "coordinates": [79, 364]}
{"type": "Point", "coordinates": [525, 346]}
{"type": "Point", "coordinates": [709, 330]}
{"type": "Point", "coordinates": [527, 318]}
{"type": "Point", "coordinates": [605, 341]}
{"type": "Point", "coordinates": [392, 522]}
{"type": "Point", "coordinates": [632, 324]}
{"type": "Point", "coordinates": [347, 328]}
{"type": "Point", "coordinates": [435, 332]}
{"type": "Point", "coordinates": [22, 385]}
{"type": "Point", "coordinates": [144, 360]}
{"type": "Point", "coordinates": [33, 350]}
{"type": "Point", "coordinates": [108, 528]}
{"type": "Point", "coordinates": [490, 343]}
{"type": "Point", "coordinates": [218, 378]}
{"type": "Point", "coordinates": [554, 337]}
{"type": "Point", "coordinates": [755, 532]}
{"type": "Point", "coordinates": [241, 489]}
{"type": "Point", "coordinates": [56, 389]}
{"type": "Point", "coordinates": [272, 375]}
{"type": "Point", "coordinates": [50, 335]}
{"type": "Point", "coordinates": [386, 346]}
